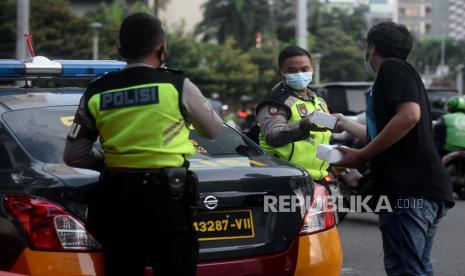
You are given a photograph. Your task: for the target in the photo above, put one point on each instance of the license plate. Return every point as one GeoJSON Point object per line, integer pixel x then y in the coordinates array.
{"type": "Point", "coordinates": [224, 225]}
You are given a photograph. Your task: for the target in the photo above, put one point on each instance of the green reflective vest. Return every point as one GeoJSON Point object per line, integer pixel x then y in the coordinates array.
{"type": "Point", "coordinates": [141, 126]}
{"type": "Point", "coordinates": [455, 125]}
{"type": "Point", "coordinates": [303, 153]}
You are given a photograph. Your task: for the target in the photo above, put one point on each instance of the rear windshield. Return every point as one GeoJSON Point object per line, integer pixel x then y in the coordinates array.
{"type": "Point", "coordinates": [42, 131]}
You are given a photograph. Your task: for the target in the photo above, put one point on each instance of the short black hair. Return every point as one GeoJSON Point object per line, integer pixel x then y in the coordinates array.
{"type": "Point", "coordinates": [139, 34]}
{"type": "Point", "coordinates": [390, 40]}
{"type": "Point", "coordinates": [292, 51]}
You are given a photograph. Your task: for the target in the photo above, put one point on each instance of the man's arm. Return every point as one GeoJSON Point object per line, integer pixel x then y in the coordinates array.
{"type": "Point", "coordinates": [407, 116]}
{"type": "Point", "coordinates": [79, 153]}
{"type": "Point", "coordinates": [80, 141]}
{"type": "Point", "coordinates": [275, 128]}
{"type": "Point", "coordinates": [357, 130]}
{"type": "Point", "coordinates": [199, 111]}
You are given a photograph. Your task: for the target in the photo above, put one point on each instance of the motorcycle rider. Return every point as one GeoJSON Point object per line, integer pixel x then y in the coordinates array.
{"type": "Point", "coordinates": [449, 131]}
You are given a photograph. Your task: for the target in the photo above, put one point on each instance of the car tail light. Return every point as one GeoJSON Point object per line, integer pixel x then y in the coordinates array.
{"type": "Point", "coordinates": [48, 226]}
{"type": "Point", "coordinates": [320, 215]}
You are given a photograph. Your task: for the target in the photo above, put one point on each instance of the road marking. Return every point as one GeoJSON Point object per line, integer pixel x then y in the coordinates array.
{"type": "Point", "coordinates": [350, 271]}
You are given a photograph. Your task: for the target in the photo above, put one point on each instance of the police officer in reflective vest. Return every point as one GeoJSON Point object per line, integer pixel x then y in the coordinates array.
{"type": "Point", "coordinates": [140, 213]}
{"type": "Point", "coordinates": [284, 115]}
{"type": "Point", "coordinates": [449, 131]}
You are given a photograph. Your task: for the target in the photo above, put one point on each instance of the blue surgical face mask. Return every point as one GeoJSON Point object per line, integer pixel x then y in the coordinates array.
{"type": "Point", "coordinates": [368, 67]}
{"type": "Point", "coordinates": [298, 81]}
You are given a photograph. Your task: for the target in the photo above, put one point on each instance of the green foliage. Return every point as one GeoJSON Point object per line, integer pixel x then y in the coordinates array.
{"type": "Point", "coordinates": [427, 53]}
{"type": "Point", "coordinates": [111, 16]}
{"type": "Point", "coordinates": [342, 59]}
{"type": "Point", "coordinates": [426, 56]}
{"type": "Point", "coordinates": [351, 23]}
{"type": "Point", "coordinates": [223, 69]}
{"type": "Point", "coordinates": [266, 60]}
{"type": "Point", "coordinates": [8, 28]}
{"type": "Point", "coordinates": [237, 18]}
{"type": "Point", "coordinates": [57, 32]}
{"type": "Point", "coordinates": [232, 67]}
{"type": "Point", "coordinates": [227, 70]}
{"type": "Point", "coordinates": [184, 51]}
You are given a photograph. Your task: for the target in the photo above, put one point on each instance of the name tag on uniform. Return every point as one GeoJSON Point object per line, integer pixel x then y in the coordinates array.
{"type": "Point", "coordinates": [129, 97]}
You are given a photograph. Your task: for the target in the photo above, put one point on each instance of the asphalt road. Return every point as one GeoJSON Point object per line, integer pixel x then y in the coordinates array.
{"type": "Point", "coordinates": [363, 253]}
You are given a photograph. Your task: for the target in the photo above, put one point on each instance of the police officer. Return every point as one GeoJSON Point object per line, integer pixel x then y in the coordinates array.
{"type": "Point", "coordinates": [284, 115]}
{"type": "Point", "coordinates": [141, 213]}
{"type": "Point", "coordinates": [450, 129]}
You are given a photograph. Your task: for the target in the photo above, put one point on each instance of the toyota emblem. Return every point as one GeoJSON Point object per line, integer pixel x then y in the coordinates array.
{"type": "Point", "coordinates": [210, 202]}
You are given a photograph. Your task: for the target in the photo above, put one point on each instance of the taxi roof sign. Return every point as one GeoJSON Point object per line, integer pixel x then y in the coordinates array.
{"type": "Point", "coordinates": [42, 67]}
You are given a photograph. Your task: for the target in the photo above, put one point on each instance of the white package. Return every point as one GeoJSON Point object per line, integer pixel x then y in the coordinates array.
{"type": "Point", "coordinates": [329, 153]}
{"type": "Point", "coordinates": [324, 119]}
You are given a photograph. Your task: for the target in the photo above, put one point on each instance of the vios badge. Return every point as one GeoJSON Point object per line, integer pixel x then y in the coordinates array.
{"type": "Point", "coordinates": [210, 202]}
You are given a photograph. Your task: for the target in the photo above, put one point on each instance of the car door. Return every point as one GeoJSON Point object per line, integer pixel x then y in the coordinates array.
{"type": "Point", "coordinates": [13, 161]}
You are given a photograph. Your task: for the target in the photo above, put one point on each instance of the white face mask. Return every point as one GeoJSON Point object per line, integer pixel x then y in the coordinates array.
{"type": "Point", "coordinates": [299, 81]}
{"type": "Point", "coordinates": [368, 67]}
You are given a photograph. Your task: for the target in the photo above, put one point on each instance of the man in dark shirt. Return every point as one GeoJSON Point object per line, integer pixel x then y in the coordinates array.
{"type": "Point", "coordinates": [401, 150]}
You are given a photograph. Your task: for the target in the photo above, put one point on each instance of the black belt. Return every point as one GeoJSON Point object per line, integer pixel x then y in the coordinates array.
{"type": "Point", "coordinates": [133, 176]}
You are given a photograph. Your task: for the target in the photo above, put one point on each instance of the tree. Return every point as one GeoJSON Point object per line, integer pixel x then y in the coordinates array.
{"type": "Point", "coordinates": [426, 56]}
{"type": "Point", "coordinates": [266, 60]}
{"type": "Point", "coordinates": [342, 58]}
{"type": "Point", "coordinates": [351, 22]}
{"type": "Point", "coordinates": [240, 19]}
{"type": "Point", "coordinates": [227, 70]}
{"type": "Point", "coordinates": [8, 28]}
{"type": "Point", "coordinates": [111, 16]}
{"type": "Point", "coordinates": [57, 32]}
{"type": "Point", "coordinates": [184, 51]}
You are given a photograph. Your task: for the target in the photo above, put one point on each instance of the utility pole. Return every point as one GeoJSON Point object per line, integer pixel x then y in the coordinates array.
{"type": "Point", "coordinates": [95, 26]}
{"type": "Point", "coordinates": [317, 59]}
{"type": "Point", "coordinates": [443, 69]}
{"type": "Point", "coordinates": [459, 79]}
{"type": "Point", "coordinates": [301, 23]}
{"type": "Point", "coordinates": [22, 27]}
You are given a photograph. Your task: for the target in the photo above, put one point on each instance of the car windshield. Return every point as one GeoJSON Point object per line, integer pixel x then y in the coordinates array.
{"type": "Point", "coordinates": [42, 131]}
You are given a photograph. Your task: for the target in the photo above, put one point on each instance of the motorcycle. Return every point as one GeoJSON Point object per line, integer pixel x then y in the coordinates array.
{"type": "Point", "coordinates": [455, 165]}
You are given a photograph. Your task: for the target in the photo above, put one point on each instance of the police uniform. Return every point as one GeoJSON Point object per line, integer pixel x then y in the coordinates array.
{"type": "Point", "coordinates": [279, 115]}
{"type": "Point", "coordinates": [140, 114]}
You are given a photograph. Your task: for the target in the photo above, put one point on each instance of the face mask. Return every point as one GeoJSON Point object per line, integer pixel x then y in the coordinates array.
{"type": "Point", "coordinates": [161, 53]}
{"type": "Point", "coordinates": [368, 67]}
{"type": "Point", "coordinates": [299, 81]}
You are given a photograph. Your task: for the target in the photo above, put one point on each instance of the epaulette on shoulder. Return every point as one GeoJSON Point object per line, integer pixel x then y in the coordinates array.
{"type": "Point", "coordinates": [102, 77]}
{"type": "Point", "coordinates": [279, 87]}
{"type": "Point", "coordinates": [171, 70]}
{"type": "Point", "coordinates": [277, 95]}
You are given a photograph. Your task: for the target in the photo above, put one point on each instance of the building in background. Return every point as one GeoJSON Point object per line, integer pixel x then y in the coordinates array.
{"type": "Point", "coordinates": [81, 7]}
{"type": "Point", "coordinates": [456, 19]}
{"type": "Point", "coordinates": [417, 15]}
{"type": "Point", "coordinates": [382, 10]}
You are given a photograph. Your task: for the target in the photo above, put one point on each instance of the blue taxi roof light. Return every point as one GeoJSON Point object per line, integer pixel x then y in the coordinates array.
{"type": "Point", "coordinates": [10, 68]}
{"type": "Point", "coordinates": [41, 67]}
{"type": "Point", "coordinates": [89, 68]}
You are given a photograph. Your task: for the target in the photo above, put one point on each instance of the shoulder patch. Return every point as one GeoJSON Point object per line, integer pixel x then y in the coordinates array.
{"type": "Point", "coordinates": [273, 110]}
{"type": "Point", "coordinates": [302, 109]}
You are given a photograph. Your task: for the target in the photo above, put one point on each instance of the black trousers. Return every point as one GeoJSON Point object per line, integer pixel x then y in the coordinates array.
{"type": "Point", "coordinates": [139, 225]}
